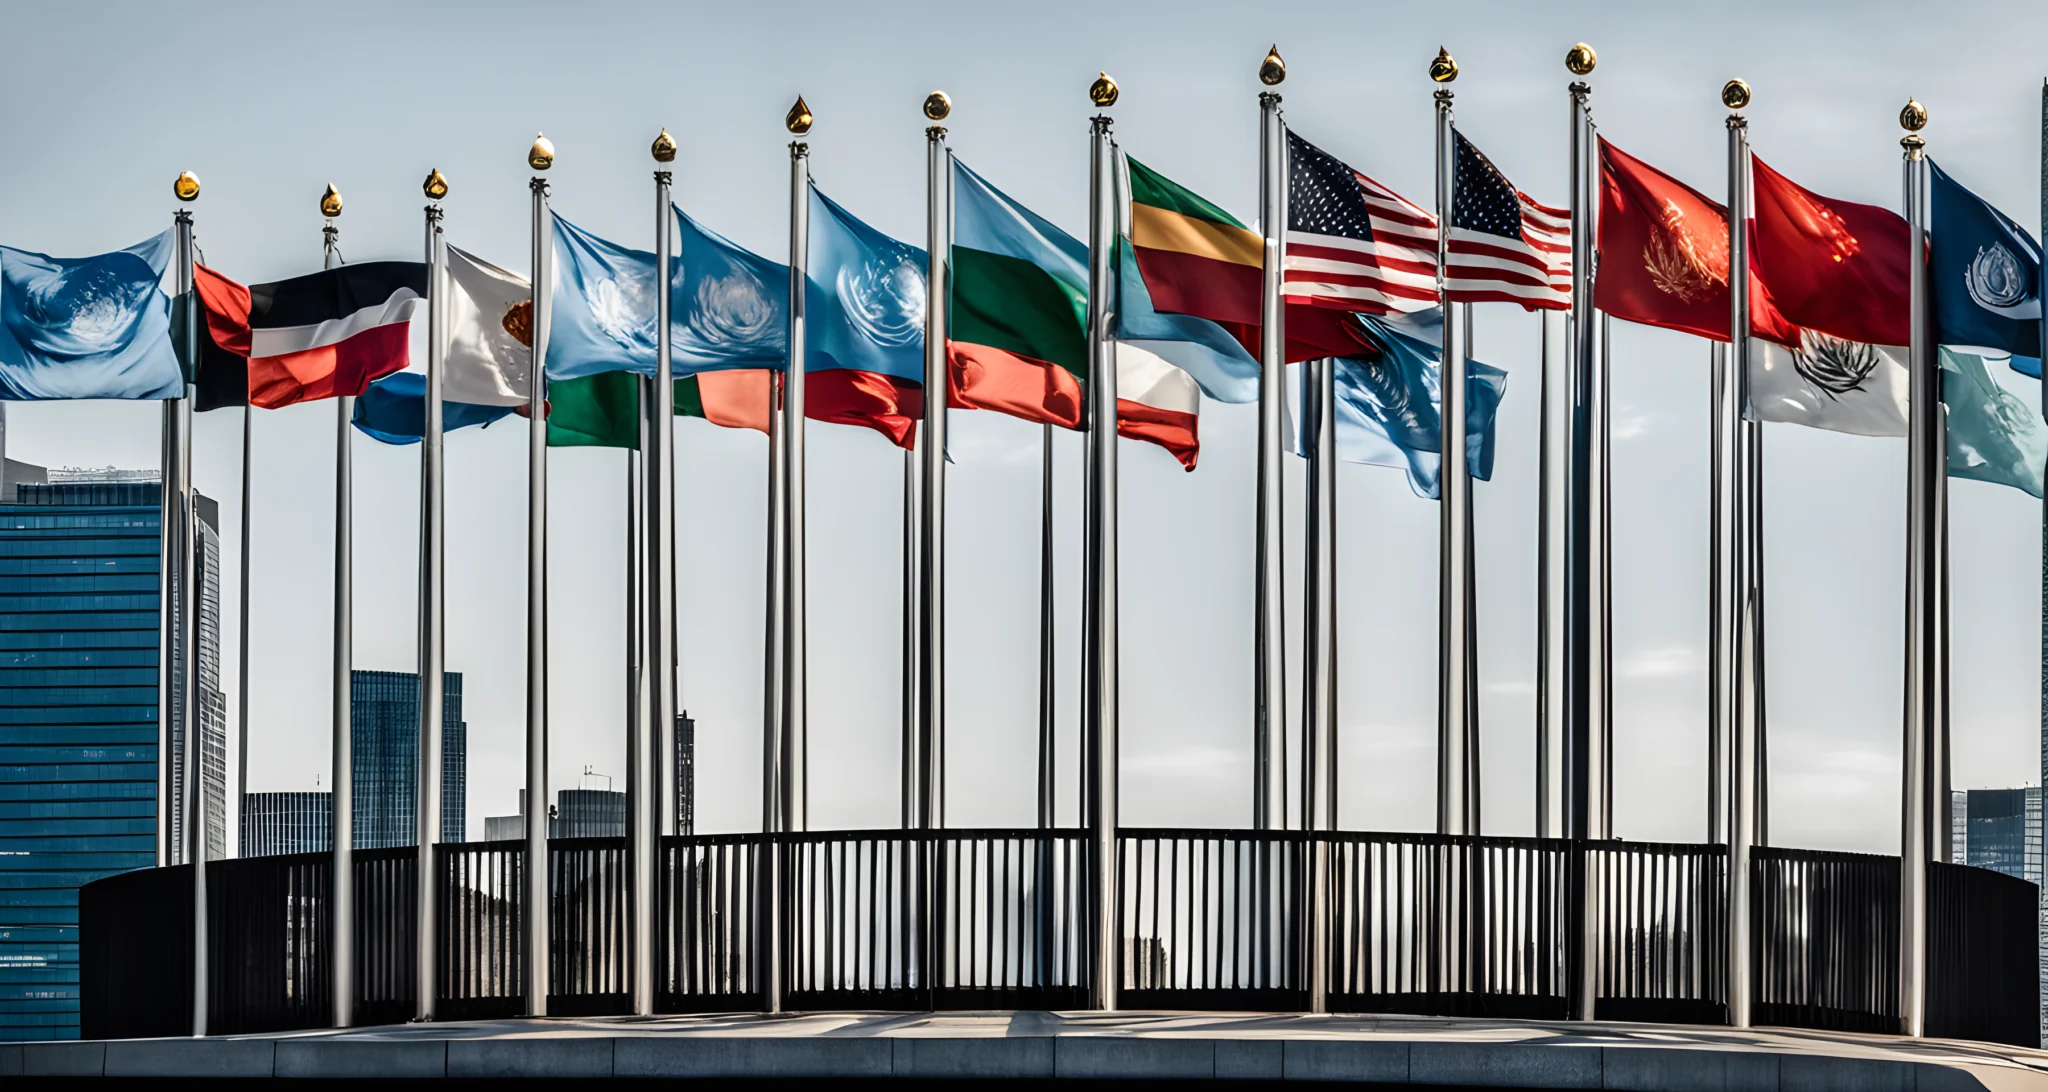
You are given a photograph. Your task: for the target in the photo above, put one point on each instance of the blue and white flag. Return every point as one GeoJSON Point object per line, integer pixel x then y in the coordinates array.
{"type": "Point", "coordinates": [97, 327]}
{"type": "Point", "coordinates": [865, 294]}
{"type": "Point", "coordinates": [1389, 411]}
{"type": "Point", "coordinates": [602, 315]}
{"type": "Point", "coordinates": [1984, 273]}
{"type": "Point", "coordinates": [1994, 435]}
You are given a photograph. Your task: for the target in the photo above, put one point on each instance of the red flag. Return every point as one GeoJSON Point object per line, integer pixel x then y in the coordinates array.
{"type": "Point", "coordinates": [1664, 255]}
{"type": "Point", "coordinates": [1834, 266]}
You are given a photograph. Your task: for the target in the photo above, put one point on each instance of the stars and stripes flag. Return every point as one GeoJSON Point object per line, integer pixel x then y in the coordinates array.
{"type": "Point", "coordinates": [1356, 245]}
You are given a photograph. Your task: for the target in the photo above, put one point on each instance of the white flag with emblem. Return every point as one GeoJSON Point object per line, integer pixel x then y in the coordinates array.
{"type": "Point", "coordinates": [1829, 383]}
{"type": "Point", "coordinates": [490, 328]}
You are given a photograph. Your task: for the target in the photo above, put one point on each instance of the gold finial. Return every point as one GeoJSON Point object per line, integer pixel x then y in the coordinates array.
{"type": "Point", "coordinates": [1103, 91]}
{"type": "Point", "coordinates": [1272, 70]}
{"type": "Point", "coordinates": [1444, 69]}
{"type": "Point", "coordinates": [186, 187]}
{"type": "Point", "coordinates": [1735, 94]}
{"type": "Point", "coordinates": [542, 155]}
{"type": "Point", "coordinates": [330, 202]}
{"type": "Point", "coordinates": [1914, 117]}
{"type": "Point", "coordinates": [1580, 59]}
{"type": "Point", "coordinates": [436, 185]}
{"type": "Point", "coordinates": [799, 118]}
{"type": "Point", "coordinates": [664, 148]}
{"type": "Point", "coordinates": [938, 105]}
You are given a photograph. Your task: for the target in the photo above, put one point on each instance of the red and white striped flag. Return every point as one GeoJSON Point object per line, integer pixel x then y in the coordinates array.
{"type": "Point", "coordinates": [1505, 248]}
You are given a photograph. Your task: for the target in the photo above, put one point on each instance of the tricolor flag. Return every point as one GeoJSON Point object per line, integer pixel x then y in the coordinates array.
{"type": "Point", "coordinates": [603, 410]}
{"type": "Point", "coordinates": [1197, 259]}
{"type": "Point", "coordinates": [330, 333]}
{"type": "Point", "coordinates": [220, 376]}
{"type": "Point", "coordinates": [1017, 330]}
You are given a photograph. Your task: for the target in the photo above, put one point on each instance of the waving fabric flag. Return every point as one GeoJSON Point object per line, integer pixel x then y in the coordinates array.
{"type": "Point", "coordinates": [1834, 266]}
{"type": "Point", "coordinates": [603, 410]}
{"type": "Point", "coordinates": [220, 377]}
{"type": "Point", "coordinates": [1352, 243]}
{"type": "Point", "coordinates": [1197, 259]}
{"type": "Point", "coordinates": [864, 339]}
{"type": "Point", "coordinates": [1504, 247]}
{"type": "Point", "coordinates": [95, 327]}
{"type": "Point", "coordinates": [485, 372]}
{"type": "Point", "coordinates": [330, 333]}
{"type": "Point", "coordinates": [602, 318]}
{"type": "Point", "coordinates": [1993, 434]}
{"type": "Point", "coordinates": [1984, 272]}
{"type": "Point", "coordinates": [1389, 410]}
{"type": "Point", "coordinates": [1018, 324]}
{"type": "Point", "coordinates": [1223, 369]}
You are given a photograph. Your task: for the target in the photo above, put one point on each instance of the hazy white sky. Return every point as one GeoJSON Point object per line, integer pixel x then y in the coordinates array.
{"type": "Point", "coordinates": [267, 103]}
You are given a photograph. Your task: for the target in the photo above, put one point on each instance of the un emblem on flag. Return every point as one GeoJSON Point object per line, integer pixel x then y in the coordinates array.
{"type": "Point", "coordinates": [1995, 279]}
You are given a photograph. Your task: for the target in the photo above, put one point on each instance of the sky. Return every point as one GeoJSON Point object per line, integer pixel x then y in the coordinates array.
{"type": "Point", "coordinates": [268, 104]}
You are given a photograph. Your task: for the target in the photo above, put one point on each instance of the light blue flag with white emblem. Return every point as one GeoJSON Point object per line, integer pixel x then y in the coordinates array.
{"type": "Point", "coordinates": [865, 294]}
{"type": "Point", "coordinates": [1389, 411]}
{"type": "Point", "coordinates": [97, 327]}
{"type": "Point", "coordinates": [1994, 435]}
{"type": "Point", "coordinates": [728, 307]}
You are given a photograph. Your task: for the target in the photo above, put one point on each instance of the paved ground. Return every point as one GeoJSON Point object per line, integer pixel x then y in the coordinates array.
{"type": "Point", "coordinates": [1379, 1049]}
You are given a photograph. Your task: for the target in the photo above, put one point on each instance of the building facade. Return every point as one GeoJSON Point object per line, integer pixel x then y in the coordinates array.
{"type": "Point", "coordinates": [79, 571]}
{"type": "Point", "coordinates": [1998, 829]}
{"type": "Point", "coordinates": [275, 823]}
{"type": "Point", "coordinates": [385, 719]}
{"type": "Point", "coordinates": [686, 774]}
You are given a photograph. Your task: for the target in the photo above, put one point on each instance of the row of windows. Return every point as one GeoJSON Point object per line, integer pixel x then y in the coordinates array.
{"type": "Point", "coordinates": [69, 563]}
{"type": "Point", "coordinates": [78, 583]}
{"type": "Point", "coordinates": [21, 756]}
{"type": "Point", "coordinates": [29, 640]}
{"type": "Point", "coordinates": [65, 916]}
{"type": "Point", "coordinates": [137, 713]}
{"type": "Point", "coordinates": [40, 697]}
{"type": "Point", "coordinates": [18, 603]}
{"type": "Point", "coordinates": [12, 622]}
{"type": "Point", "coordinates": [103, 771]}
{"type": "Point", "coordinates": [15, 519]}
{"type": "Point", "coordinates": [64, 809]}
{"type": "Point", "coordinates": [81, 675]}
{"type": "Point", "coordinates": [138, 789]}
{"type": "Point", "coordinates": [45, 887]}
{"type": "Point", "coordinates": [81, 734]}
{"type": "Point", "coordinates": [105, 863]}
{"type": "Point", "coordinates": [129, 550]}
{"type": "Point", "coordinates": [104, 656]}
{"type": "Point", "coordinates": [76, 827]}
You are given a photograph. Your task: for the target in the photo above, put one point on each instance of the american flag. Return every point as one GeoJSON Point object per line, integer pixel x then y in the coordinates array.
{"type": "Point", "coordinates": [1504, 247]}
{"type": "Point", "coordinates": [1355, 245]}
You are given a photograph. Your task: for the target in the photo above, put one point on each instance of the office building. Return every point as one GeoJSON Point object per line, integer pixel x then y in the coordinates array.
{"type": "Point", "coordinates": [1998, 829]}
{"type": "Point", "coordinates": [78, 704]}
{"type": "Point", "coordinates": [686, 774]}
{"type": "Point", "coordinates": [385, 717]}
{"type": "Point", "coordinates": [576, 813]}
{"type": "Point", "coordinates": [275, 823]}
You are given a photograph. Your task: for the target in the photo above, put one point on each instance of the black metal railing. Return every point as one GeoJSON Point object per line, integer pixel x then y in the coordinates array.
{"type": "Point", "coordinates": [952, 919]}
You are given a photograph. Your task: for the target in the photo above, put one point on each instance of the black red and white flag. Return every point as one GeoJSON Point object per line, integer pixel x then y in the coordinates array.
{"type": "Point", "coordinates": [322, 335]}
{"type": "Point", "coordinates": [1354, 244]}
{"type": "Point", "coordinates": [1504, 247]}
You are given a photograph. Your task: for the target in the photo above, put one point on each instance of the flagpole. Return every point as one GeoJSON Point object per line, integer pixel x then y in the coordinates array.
{"type": "Point", "coordinates": [242, 640]}
{"type": "Point", "coordinates": [1047, 723]}
{"type": "Point", "coordinates": [427, 792]}
{"type": "Point", "coordinates": [1456, 804]}
{"type": "Point", "coordinates": [341, 889]}
{"type": "Point", "coordinates": [931, 591]}
{"type": "Point", "coordinates": [1741, 689]}
{"type": "Point", "coordinates": [1550, 495]}
{"type": "Point", "coordinates": [1603, 583]}
{"type": "Point", "coordinates": [1101, 618]}
{"type": "Point", "coordinates": [1319, 655]}
{"type": "Point", "coordinates": [795, 702]}
{"type": "Point", "coordinates": [1924, 488]}
{"type": "Point", "coordinates": [1581, 675]}
{"type": "Point", "coordinates": [1269, 717]}
{"type": "Point", "coordinates": [907, 778]}
{"type": "Point", "coordinates": [538, 896]}
{"type": "Point", "coordinates": [1724, 430]}
{"type": "Point", "coordinates": [659, 736]}
{"type": "Point", "coordinates": [657, 473]}
{"type": "Point", "coordinates": [773, 620]}
{"type": "Point", "coordinates": [176, 489]}
{"type": "Point", "coordinates": [169, 556]}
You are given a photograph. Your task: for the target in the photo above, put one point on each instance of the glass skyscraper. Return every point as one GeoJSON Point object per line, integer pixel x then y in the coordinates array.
{"type": "Point", "coordinates": [385, 716]}
{"type": "Point", "coordinates": [275, 823]}
{"type": "Point", "coordinates": [78, 693]}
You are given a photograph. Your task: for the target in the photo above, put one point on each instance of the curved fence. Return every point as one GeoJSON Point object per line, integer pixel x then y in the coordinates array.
{"type": "Point", "coordinates": [956, 919]}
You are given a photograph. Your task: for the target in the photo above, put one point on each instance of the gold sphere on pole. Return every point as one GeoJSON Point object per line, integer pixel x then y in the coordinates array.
{"type": "Point", "coordinates": [330, 202]}
{"type": "Point", "coordinates": [1445, 68]}
{"type": "Point", "coordinates": [186, 187]}
{"type": "Point", "coordinates": [1580, 59]}
{"type": "Point", "coordinates": [1914, 117]}
{"type": "Point", "coordinates": [664, 148]}
{"type": "Point", "coordinates": [938, 105]}
{"type": "Point", "coordinates": [1735, 94]}
{"type": "Point", "coordinates": [1272, 70]}
{"type": "Point", "coordinates": [542, 155]}
{"type": "Point", "coordinates": [1103, 91]}
{"type": "Point", "coordinates": [799, 118]}
{"type": "Point", "coordinates": [436, 185]}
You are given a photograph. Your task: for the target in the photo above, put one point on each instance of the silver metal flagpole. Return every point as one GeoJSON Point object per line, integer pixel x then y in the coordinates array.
{"type": "Point", "coordinates": [1553, 427]}
{"type": "Point", "coordinates": [1924, 485]}
{"type": "Point", "coordinates": [774, 619]}
{"type": "Point", "coordinates": [657, 472]}
{"type": "Point", "coordinates": [1101, 617]}
{"type": "Point", "coordinates": [178, 480]}
{"type": "Point", "coordinates": [1603, 542]}
{"type": "Point", "coordinates": [1319, 656]}
{"type": "Point", "coordinates": [1581, 675]}
{"type": "Point", "coordinates": [1722, 593]}
{"type": "Point", "coordinates": [1457, 760]}
{"type": "Point", "coordinates": [795, 701]}
{"type": "Point", "coordinates": [1269, 713]}
{"type": "Point", "coordinates": [341, 890]}
{"type": "Point", "coordinates": [432, 649]}
{"type": "Point", "coordinates": [169, 560]}
{"type": "Point", "coordinates": [1048, 723]}
{"type": "Point", "coordinates": [1741, 720]}
{"type": "Point", "coordinates": [907, 778]}
{"type": "Point", "coordinates": [660, 736]}
{"type": "Point", "coordinates": [538, 895]}
{"type": "Point", "coordinates": [931, 591]}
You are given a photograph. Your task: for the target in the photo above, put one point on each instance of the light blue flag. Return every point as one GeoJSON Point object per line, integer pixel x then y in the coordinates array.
{"type": "Point", "coordinates": [865, 294]}
{"type": "Point", "coordinates": [1994, 435]}
{"type": "Point", "coordinates": [1389, 411]}
{"type": "Point", "coordinates": [1216, 361]}
{"type": "Point", "coordinates": [728, 307]}
{"type": "Point", "coordinates": [97, 327]}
